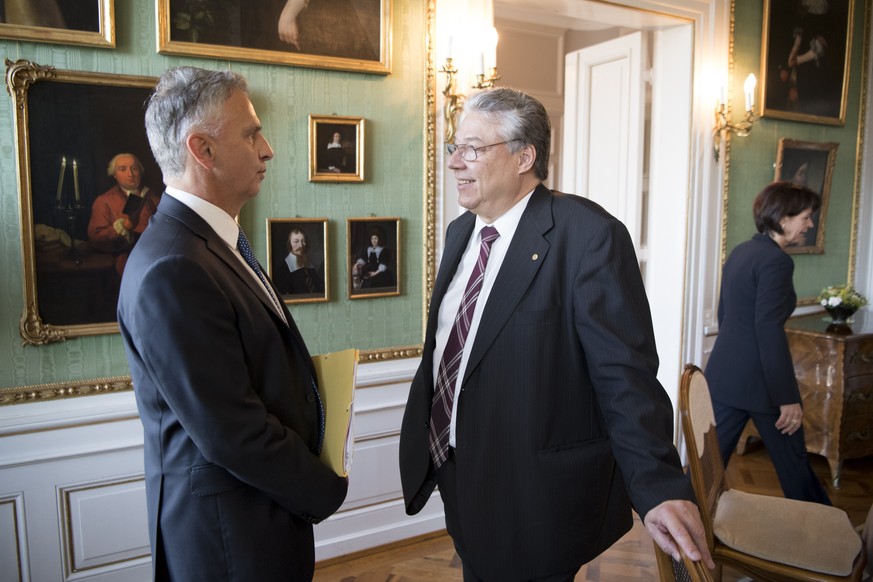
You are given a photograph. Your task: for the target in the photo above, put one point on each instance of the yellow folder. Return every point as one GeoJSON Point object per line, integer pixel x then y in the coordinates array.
{"type": "Point", "coordinates": [336, 385]}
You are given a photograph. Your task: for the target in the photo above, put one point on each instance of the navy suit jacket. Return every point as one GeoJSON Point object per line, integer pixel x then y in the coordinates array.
{"type": "Point", "coordinates": [750, 366]}
{"type": "Point", "coordinates": [225, 392]}
{"type": "Point", "coordinates": [560, 413]}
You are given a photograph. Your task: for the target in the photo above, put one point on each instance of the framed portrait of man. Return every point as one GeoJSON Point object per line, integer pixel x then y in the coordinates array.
{"type": "Point", "coordinates": [298, 258]}
{"type": "Point", "coordinates": [336, 148]}
{"type": "Point", "coordinates": [88, 184]}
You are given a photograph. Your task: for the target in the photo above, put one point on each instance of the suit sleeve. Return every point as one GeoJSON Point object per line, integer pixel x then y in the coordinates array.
{"type": "Point", "coordinates": [774, 287]}
{"type": "Point", "coordinates": [614, 325]}
{"type": "Point", "coordinates": [190, 342]}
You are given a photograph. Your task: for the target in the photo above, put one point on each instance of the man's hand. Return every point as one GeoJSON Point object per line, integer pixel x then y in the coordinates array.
{"type": "Point", "coordinates": [122, 226]}
{"type": "Point", "coordinates": [676, 524]}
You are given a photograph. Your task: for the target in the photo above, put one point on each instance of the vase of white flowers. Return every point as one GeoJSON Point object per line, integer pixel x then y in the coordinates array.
{"type": "Point", "coordinates": [841, 301]}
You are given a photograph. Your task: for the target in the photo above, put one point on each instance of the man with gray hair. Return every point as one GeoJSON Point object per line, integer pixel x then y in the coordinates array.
{"type": "Point", "coordinates": [224, 383]}
{"type": "Point", "coordinates": [536, 408]}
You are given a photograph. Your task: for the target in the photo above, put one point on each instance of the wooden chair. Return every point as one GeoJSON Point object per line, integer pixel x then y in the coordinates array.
{"type": "Point", "coordinates": [670, 570]}
{"type": "Point", "coordinates": [765, 537]}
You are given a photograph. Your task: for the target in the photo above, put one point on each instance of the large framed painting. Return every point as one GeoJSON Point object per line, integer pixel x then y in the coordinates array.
{"type": "Point", "coordinates": [351, 35]}
{"type": "Point", "coordinates": [87, 184]}
{"type": "Point", "coordinates": [811, 165]}
{"type": "Point", "coordinates": [805, 60]}
{"type": "Point", "coordinates": [86, 22]}
{"type": "Point", "coordinates": [373, 257]}
{"type": "Point", "coordinates": [298, 258]}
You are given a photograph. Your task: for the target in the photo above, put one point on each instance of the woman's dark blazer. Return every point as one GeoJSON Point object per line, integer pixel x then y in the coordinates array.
{"type": "Point", "coordinates": [750, 366]}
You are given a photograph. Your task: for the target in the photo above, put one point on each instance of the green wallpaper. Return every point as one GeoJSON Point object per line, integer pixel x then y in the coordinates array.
{"type": "Point", "coordinates": [753, 158]}
{"type": "Point", "coordinates": [394, 109]}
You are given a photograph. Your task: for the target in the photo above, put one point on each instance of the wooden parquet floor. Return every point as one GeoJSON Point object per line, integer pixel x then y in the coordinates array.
{"type": "Point", "coordinates": [432, 558]}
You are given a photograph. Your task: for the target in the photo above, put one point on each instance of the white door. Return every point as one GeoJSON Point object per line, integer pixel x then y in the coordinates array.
{"type": "Point", "coordinates": [603, 159]}
{"type": "Point", "coordinates": [604, 123]}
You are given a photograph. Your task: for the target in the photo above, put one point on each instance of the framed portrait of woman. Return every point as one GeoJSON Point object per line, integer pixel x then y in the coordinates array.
{"type": "Point", "coordinates": [298, 258]}
{"type": "Point", "coordinates": [86, 22]}
{"type": "Point", "coordinates": [805, 60]}
{"type": "Point", "coordinates": [809, 164]}
{"type": "Point", "coordinates": [373, 257]}
{"type": "Point", "coordinates": [352, 35]}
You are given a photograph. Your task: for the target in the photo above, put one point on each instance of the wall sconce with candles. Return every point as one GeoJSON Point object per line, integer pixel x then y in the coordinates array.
{"type": "Point", "coordinates": [742, 128]}
{"type": "Point", "coordinates": [453, 101]}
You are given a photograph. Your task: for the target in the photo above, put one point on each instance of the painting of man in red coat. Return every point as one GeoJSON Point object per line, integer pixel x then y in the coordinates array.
{"type": "Point", "coordinates": [121, 214]}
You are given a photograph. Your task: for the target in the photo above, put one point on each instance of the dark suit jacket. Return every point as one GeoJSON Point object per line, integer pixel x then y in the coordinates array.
{"type": "Point", "coordinates": [750, 366]}
{"type": "Point", "coordinates": [225, 393]}
{"type": "Point", "coordinates": [560, 413]}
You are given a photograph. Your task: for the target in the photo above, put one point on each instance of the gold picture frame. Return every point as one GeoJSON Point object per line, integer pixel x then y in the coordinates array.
{"type": "Point", "coordinates": [809, 164]}
{"type": "Point", "coordinates": [298, 258]}
{"type": "Point", "coordinates": [62, 23]}
{"type": "Point", "coordinates": [336, 148]}
{"type": "Point", "coordinates": [263, 32]}
{"type": "Point", "coordinates": [373, 272]}
{"type": "Point", "coordinates": [805, 60]}
{"type": "Point", "coordinates": [68, 126]}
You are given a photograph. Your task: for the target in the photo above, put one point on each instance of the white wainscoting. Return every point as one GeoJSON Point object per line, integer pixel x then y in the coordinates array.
{"type": "Point", "coordinates": [72, 499]}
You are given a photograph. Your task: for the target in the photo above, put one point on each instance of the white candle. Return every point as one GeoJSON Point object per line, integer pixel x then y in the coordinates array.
{"type": "Point", "coordinates": [76, 179]}
{"type": "Point", "coordinates": [749, 90]}
{"type": "Point", "coordinates": [482, 63]}
{"type": "Point", "coordinates": [61, 178]}
{"type": "Point", "coordinates": [449, 49]}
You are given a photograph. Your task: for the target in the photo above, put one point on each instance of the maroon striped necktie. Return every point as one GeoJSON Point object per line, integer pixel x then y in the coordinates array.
{"type": "Point", "coordinates": [447, 373]}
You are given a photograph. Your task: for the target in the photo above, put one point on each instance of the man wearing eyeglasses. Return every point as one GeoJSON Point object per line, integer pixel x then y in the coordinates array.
{"type": "Point", "coordinates": [536, 408]}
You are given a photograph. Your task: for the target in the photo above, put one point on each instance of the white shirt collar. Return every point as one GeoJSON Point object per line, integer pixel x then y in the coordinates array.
{"type": "Point", "coordinates": [508, 221]}
{"type": "Point", "coordinates": [220, 221]}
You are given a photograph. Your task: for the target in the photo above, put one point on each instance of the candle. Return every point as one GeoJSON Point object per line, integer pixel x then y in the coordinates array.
{"type": "Point", "coordinates": [749, 90]}
{"type": "Point", "coordinates": [449, 50]}
{"type": "Point", "coordinates": [61, 179]}
{"type": "Point", "coordinates": [76, 179]}
{"type": "Point", "coordinates": [482, 63]}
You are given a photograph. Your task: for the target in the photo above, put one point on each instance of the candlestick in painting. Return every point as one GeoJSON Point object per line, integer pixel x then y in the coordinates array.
{"type": "Point", "coordinates": [61, 179]}
{"type": "Point", "coordinates": [76, 179]}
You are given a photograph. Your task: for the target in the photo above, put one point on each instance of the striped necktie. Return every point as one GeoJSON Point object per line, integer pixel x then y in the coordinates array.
{"type": "Point", "coordinates": [447, 373]}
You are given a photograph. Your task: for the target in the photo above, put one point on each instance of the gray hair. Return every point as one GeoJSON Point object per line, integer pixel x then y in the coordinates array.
{"type": "Point", "coordinates": [110, 169]}
{"type": "Point", "coordinates": [519, 117]}
{"type": "Point", "coordinates": [185, 100]}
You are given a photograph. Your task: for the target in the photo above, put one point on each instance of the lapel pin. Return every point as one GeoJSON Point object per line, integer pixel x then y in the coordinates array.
{"type": "Point", "coordinates": [534, 257]}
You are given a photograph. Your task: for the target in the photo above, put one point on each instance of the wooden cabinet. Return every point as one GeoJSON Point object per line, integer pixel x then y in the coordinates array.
{"type": "Point", "coordinates": [834, 368]}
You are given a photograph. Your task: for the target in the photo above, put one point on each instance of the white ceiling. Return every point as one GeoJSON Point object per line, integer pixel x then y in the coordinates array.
{"type": "Point", "coordinates": [584, 15]}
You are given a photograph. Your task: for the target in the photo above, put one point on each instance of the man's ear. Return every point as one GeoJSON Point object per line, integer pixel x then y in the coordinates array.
{"type": "Point", "coordinates": [201, 149]}
{"type": "Point", "coordinates": [526, 159]}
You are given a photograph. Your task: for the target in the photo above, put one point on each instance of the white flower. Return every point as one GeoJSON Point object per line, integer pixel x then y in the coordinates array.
{"type": "Point", "coordinates": [834, 301]}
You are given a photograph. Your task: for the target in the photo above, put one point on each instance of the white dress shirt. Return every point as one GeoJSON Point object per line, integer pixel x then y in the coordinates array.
{"type": "Point", "coordinates": [227, 229]}
{"type": "Point", "coordinates": [506, 226]}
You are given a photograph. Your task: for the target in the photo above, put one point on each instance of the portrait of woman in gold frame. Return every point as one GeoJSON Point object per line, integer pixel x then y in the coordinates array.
{"type": "Point", "coordinates": [805, 60]}
{"type": "Point", "coordinates": [289, 32]}
{"type": "Point", "coordinates": [374, 253]}
{"type": "Point", "coordinates": [86, 22]}
{"type": "Point", "coordinates": [809, 164]}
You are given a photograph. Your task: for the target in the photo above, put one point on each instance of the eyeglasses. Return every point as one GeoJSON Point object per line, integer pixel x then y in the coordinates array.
{"type": "Point", "coordinates": [468, 152]}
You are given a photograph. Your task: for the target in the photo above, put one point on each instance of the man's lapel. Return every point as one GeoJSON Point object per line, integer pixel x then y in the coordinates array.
{"type": "Point", "coordinates": [523, 259]}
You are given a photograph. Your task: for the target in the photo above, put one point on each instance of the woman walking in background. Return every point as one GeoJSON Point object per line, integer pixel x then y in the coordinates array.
{"type": "Point", "coordinates": [750, 371]}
